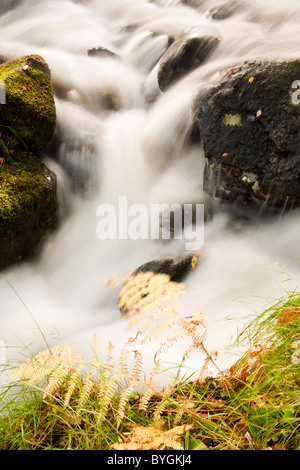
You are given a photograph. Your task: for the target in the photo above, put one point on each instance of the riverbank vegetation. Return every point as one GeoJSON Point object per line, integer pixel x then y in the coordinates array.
{"type": "Point", "coordinates": [66, 403]}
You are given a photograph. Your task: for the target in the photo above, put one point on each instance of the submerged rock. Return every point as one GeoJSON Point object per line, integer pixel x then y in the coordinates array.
{"type": "Point", "coordinates": [28, 206]}
{"type": "Point", "coordinates": [8, 5]}
{"type": "Point", "coordinates": [250, 131]}
{"type": "Point", "coordinates": [175, 270]}
{"type": "Point", "coordinates": [185, 54]}
{"type": "Point", "coordinates": [100, 52]}
{"type": "Point", "coordinates": [148, 282]}
{"type": "Point", "coordinates": [225, 10]}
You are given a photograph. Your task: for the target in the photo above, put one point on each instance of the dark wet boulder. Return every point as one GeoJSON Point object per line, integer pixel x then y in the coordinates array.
{"type": "Point", "coordinates": [250, 130]}
{"type": "Point", "coordinates": [100, 52]}
{"type": "Point", "coordinates": [175, 270]}
{"type": "Point", "coordinates": [185, 54]}
{"type": "Point", "coordinates": [150, 281]}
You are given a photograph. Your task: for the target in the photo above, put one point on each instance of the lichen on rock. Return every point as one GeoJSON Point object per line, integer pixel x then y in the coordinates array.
{"type": "Point", "coordinates": [250, 123]}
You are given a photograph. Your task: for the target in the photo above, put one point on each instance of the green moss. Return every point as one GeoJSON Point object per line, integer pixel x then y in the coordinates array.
{"type": "Point", "coordinates": [30, 106]}
{"type": "Point", "coordinates": [27, 187]}
{"type": "Point", "coordinates": [24, 190]}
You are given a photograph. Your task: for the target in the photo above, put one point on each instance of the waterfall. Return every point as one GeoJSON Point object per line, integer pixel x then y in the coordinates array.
{"type": "Point", "coordinates": [119, 135]}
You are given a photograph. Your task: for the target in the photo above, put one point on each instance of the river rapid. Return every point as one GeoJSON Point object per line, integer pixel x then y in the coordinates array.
{"type": "Point", "coordinates": [137, 147]}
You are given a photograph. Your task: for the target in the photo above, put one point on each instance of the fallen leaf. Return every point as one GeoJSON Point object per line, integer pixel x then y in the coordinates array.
{"type": "Point", "coordinates": [194, 261]}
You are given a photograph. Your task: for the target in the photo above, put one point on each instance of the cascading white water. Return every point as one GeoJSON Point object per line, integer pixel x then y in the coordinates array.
{"type": "Point", "coordinates": [137, 148]}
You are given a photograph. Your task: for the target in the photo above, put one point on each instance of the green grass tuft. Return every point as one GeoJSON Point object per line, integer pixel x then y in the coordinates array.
{"type": "Point", "coordinates": [254, 405]}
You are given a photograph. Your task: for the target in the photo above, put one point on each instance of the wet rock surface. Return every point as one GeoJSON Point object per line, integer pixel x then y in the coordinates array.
{"type": "Point", "coordinates": [175, 270]}
{"type": "Point", "coordinates": [148, 282]}
{"type": "Point", "coordinates": [28, 205]}
{"type": "Point", "coordinates": [29, 106]}
{"type": "Point", "coordinates": [224, 10]}
{"type": "Point", "coordinates": [250, 131]}
{"type": "Point", "coordinates": [100, 52]}
{"type": "Point", "coordinates": [185, 54]}
{"type": "Point", "coordinates": [28, 208]}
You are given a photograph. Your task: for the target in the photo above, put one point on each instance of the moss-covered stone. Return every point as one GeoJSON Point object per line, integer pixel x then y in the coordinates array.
{"type": "Point", "coordinates": [27, 187]}
{"type": "Point", "coordinates": [27, 208]}
{"type": "Point", "coordinates": [29, 107]}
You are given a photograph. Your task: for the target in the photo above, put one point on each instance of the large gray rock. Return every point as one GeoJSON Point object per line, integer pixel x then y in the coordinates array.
{"type": "Point", "coordinates": [250, 131]}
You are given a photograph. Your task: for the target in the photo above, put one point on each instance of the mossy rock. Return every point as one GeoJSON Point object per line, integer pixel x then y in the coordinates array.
{"type": "Point", "coordinates": [250, 127]}
{"type": "Point", "coordinates": [29, 105]}
{"type": "Point", "coordinates": [27, 208]}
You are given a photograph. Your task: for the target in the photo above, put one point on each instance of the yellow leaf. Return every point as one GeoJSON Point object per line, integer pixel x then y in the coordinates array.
{"type": "Point", "coordinates": [194, 261]}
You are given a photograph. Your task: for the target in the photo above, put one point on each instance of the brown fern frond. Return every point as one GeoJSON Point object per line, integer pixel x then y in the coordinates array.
{"type": "Point", "coordinates": [123, 363]}
{"type": "Point", "coordinates": [57, 379]}
{"type": "Point", "coordinates": [73, 384]}
{"type": "Point", "coordinates": [184, 408]}
{"type": "Point", "coordinates": [124, 399]}
{"type": "Point", "coordinates": [113, 282]}
{"type": "Point", "coordinates": [95, 346]}
{"type": "Point", "coordinates": [150, 390]}
{"type": "Point", "coordinates": [164, 401]}
{"type": "Point", "coordinates": [134, 380]}
{"type": "Point", "coordinates": [171, 340]}
{"type": "Point", "coordinates": [87, 387]}
{"type": "Point", "coordinates": [44, 364]}
{"type": "Point", "coordinates": [144, 290]}
{"type": "Point", "coordinates": [149, 438]}
{"type": "Point", "coordinates": [108, 391]}
{"type": "Point", "coordinates": [123, 402]}
{"type": "Point", "coordinates": [60, 370]}
{"type": "Point", "coordinates": [157, 331]}
{"type": "Point", "coordinates": [109, 365]}
{"type": "Point", "coordinates": [204, 367]}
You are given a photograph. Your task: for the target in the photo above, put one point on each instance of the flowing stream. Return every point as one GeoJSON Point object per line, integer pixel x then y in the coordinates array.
{"type": "Point", "coordinates": [118, 135]}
